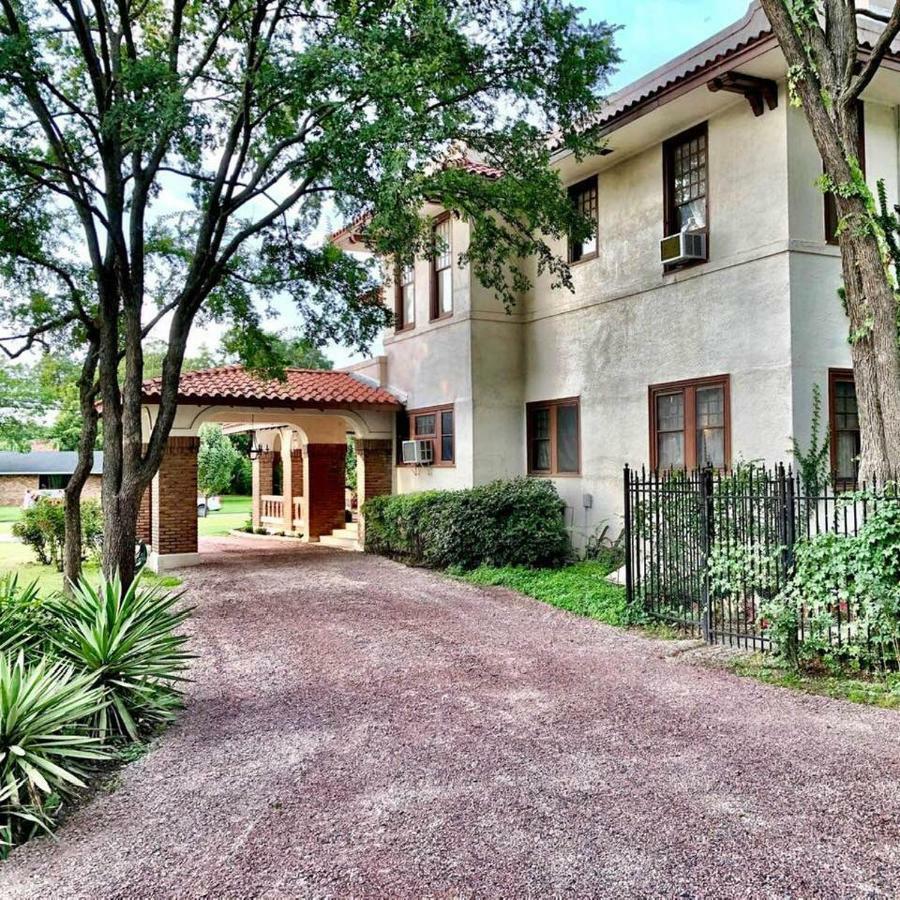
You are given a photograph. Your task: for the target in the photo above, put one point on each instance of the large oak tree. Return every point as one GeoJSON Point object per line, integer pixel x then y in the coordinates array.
{"type": "Point", "coordinates": [827, 74]}
{"type": "Point", "coordinates": [165, 161]}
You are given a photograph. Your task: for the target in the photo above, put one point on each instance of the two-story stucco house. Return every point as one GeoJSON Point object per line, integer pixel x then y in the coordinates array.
{"type": "Point", "coordinates": [713, 359]}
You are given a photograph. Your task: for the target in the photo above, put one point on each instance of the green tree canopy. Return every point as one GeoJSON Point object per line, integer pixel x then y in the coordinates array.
{"type": "Point", "coordinates": [171, 161]}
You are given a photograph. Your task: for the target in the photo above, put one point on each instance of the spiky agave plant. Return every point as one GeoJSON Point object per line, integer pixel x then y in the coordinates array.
{"type": "Point", "coordinates": [46, 744]}
{"type": "Point", "coordinates": [126, 640]}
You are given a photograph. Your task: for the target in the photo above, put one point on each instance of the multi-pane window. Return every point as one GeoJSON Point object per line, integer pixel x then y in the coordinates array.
{"type": "Point", "coordinates": [554, 438]}
{"type": "Point", "coordinates": [405, 306]}
{"type": "Point", "coordinates": [844, 415]}
{"type": "Point", "coordinates": [584, 198]}
{"type": "Point", "coordinates": [442, 270]}
{"type": "Point", "coordinates": [686, 181]}
{"type": "Point", "coordinates": [689, 424]}
{"type": "Point", "coordinates": [435, 425]}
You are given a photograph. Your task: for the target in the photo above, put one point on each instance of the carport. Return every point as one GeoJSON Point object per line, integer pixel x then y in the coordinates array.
{"type": "Point", "coordinates": [299, 432]}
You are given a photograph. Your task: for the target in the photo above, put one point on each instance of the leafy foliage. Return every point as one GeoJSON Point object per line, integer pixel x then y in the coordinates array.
{"type": "Point", "coordinates": [518, 522]}
{"type": "Point", "coordinates": [43, 528]}
{"type": "Point", "coordinates": [24, 619]}
{"type": "Point", "coordinates": [846, 586]}
{"type": "Point", "coordinates": [217, 460]}
{"type": "Point", "coordinates": [813, 464]}
{"type": "Point", "coordinates": [45, 748]}
{"type": "Point", "coordinates": [581, 588]}
{"type": "Point", "coordinates": [125, 640]}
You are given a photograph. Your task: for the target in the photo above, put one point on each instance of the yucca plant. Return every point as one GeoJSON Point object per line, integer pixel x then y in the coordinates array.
{"type": "Point", "coordinates": [24, 621]}
{"type": "Point", "coordinates": [46, 746]}
{"type": "Point", "coordinates": [126, 641]}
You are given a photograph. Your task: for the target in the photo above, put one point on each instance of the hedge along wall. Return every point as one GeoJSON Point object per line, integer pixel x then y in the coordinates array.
{"type": "Point", "coordinates": [504, 523]}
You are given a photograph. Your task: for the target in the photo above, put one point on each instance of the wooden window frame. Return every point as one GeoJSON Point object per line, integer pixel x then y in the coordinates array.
{"type": "Point", "coordinates": [830, 205]}
{"type": "Point", "coordinates": [434, 303]}
{"type": "Point", "coordinates": [669, 213]}
{"type": "Point", "coordinates": [399, 318]}
{"type": "Point", "coordinates": [552, 406]}
{"type": "Point", "coordinates": [437, 437]}
{"type": "Point", "coordinates": [834, 377]}
{"type": "Point", "coordinates": [689, 388]}
{"type": "Point", "coordinates": [575, 190]}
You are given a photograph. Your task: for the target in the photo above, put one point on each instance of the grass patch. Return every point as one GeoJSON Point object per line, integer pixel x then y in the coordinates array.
{"type": "Point", "coordinates": [234, 514]}
{"type": "Point", "coordinates": [18, 558]}
{"type": "Point", "coordinates": [581, 588]}
{"type": "Point", "coordinates": [883, 692]}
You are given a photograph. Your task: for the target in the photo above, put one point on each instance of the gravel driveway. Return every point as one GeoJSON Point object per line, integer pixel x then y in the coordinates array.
{"type": "Point", "coordinates": [359, 728]}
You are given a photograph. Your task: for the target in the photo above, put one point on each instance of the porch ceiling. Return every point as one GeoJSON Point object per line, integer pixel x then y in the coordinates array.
{"type": "Point", "coordinates": [300, 389]}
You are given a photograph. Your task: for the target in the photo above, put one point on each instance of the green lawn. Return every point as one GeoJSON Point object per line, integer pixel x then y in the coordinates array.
{"type": "Point", "coordinates": [234, 514]}
{"type": "Point", "coordinates": [8, 515]}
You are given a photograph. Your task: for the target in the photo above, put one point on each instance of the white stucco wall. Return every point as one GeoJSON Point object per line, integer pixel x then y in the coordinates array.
{"type": "Point", "coordinates": [762, 310]}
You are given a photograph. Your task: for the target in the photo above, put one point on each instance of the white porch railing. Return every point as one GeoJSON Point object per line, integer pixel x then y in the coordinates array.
{"type": "Point", "coordinates": [271, 510]}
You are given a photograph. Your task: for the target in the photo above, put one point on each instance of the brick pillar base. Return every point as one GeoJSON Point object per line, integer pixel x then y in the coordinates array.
{"type": "Point", "coordinates": [174, 501]}
{"type": "Point", "coordinates": [263, 467]}
{"type": "Point", "coordinates": [324, 478]}
{"type": "Point", "coordinates": [374, 474]}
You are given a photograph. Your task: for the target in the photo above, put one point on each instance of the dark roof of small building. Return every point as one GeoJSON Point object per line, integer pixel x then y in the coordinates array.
{"type": "Point", "coordinates": [315, 388]}
{"type": "Point", "coordinates": [45, 462]}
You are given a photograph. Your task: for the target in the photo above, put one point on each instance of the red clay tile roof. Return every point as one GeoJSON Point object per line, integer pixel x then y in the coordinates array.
{"type": "Point", "coordinates": [235, 386]}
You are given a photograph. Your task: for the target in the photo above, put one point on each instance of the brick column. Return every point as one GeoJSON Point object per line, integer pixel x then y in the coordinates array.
{"type": "Point", "coordinates": [173, 504]}
{"type": "Point", "coordinates": [374, 473]}
{"type": "Point", "coordinates": [296, 479]}
{"type": "Point", "coordinates": [324, 478]}
{"type": "Point", "coordinates": [262, 482]}
{"type": "Point", "coordinates": [145, 522]}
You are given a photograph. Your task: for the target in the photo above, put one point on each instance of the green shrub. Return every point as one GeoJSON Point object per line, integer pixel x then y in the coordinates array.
{"type": "Point", "coordinates": [504, 523]}
{"type": "Point", "coordinates": [843, 586]}
{"type": "Point", "coordinates": [126, 641]}
{"type": "Point", "coordinates": [43, 528]}
{"type": "Point", "coordinates": [45, 747]}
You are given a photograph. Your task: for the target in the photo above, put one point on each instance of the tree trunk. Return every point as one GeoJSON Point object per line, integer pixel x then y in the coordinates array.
{"type": "Point", "coordinates": [120, 515]}
{"type": "Point", "coordinates": [872, 310]}
{"type": "Point", "coordinates": [73, 535]}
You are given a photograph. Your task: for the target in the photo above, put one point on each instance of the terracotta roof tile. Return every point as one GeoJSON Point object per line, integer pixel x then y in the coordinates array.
{"type": "Point", "coordinates": [235, 386]}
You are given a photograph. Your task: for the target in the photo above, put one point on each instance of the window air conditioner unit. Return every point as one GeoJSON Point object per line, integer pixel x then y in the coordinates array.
{"type": "Point", "coordinates": [683, 247]}
{"type": "Point", "coordinates": [419, 453]}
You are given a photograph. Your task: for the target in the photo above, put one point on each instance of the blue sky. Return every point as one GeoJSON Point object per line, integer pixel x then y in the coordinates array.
{"type": "Point", "coordinates": [653, 31]}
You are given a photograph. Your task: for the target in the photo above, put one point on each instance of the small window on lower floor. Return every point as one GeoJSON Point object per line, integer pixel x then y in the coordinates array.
{"type": "Point", "coordinates": [843, 414]}
{"type": "Point", "coordinates": [554, 441]}
{"type": "Point", "coordinates": [435, 425]}
{"type": "Point", "coordinates": [690, 424]}
{"type": "Point", "coordinates": [53, 482]}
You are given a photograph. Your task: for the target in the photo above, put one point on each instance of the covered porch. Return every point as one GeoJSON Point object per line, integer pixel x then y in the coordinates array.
{"type": "Point", "coordinates": [299, 430]}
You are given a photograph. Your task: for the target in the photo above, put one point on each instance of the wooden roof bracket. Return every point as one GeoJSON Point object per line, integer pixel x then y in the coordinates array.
{"type": "Point", "coordinates": [758, 91]}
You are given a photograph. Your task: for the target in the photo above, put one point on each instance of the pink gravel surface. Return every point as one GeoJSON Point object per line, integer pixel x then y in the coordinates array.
{"type": "Point", "coordinates": [357, 728]}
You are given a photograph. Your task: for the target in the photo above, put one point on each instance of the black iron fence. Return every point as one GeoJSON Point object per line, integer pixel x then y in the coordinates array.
{"type": "Point", "coordinates": [706, 549]}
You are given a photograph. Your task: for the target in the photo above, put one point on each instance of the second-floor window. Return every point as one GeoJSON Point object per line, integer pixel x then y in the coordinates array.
{"type": "Point", "coordinates": [584, 198]}
{"type": "Point", "coordinates": [405, 300]}
{"type": "Point", "coordinates": [686, 182]}
{"type": "Point", "coordinates": [442, 270]}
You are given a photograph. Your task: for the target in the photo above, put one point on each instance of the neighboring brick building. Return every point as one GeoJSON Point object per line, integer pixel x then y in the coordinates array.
{"type": "Point", "coordinates": [42, 470]}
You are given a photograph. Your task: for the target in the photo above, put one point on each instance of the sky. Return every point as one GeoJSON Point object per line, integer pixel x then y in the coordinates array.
{"type": "Point", "coordinates": [652, 32]}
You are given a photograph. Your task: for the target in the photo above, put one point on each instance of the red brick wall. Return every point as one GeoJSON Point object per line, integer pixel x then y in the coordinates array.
{"type": "Point", "coordinates": [173, 503]}
{"type": "Point", "coordinates": [296, 473]}
{"type": "Point", "coordinates": [374, 472]}
{"type": "Point", "coordinates": [13, 487]}
{"type": "Point", "coordinates": [325, 481]}
{"type": "Point", "coordinates": [145, 519]}
{"type": "Point", "coordinates": [263, 467]}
